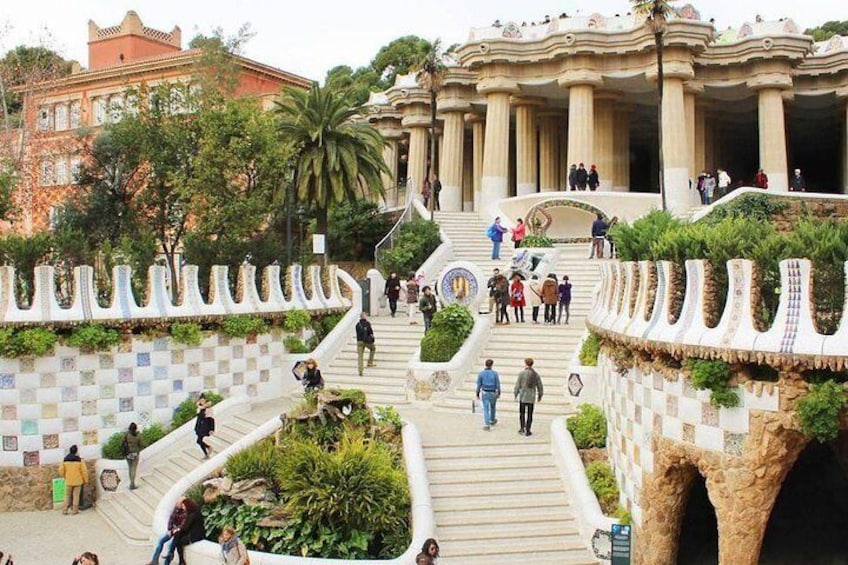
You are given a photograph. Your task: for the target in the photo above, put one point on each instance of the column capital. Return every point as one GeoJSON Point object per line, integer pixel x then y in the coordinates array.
{"type": "Point", "coordinates": [474, 117]}
{"type": "Point", "coordinates": [453, 105]}
{"type": "Point", "coordinates": [497, 85]}
{"type": "Point", "coordinates": [416, 121]}
{"type": "Point", "coordinates": [693, 87]}
{"type": "Point", "coordinates": [842, 93]}
{"type": "Point", "coordinates": [517, 100]}
{"type": "Point", "coordinates": [580, 77]}
{"type": "Point", "coordinates": [671, 69]}
{"type": "Point", "coordinates": [780, 81]}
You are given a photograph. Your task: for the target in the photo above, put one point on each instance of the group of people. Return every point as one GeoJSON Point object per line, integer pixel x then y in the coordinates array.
{"type": "Point", "coordinates": [579, 178]}
{"type": "Point", "coordinates": [711, 186]}
{"type": "Point", "coordinates": [432, 190]}
{"type": "Point", "coordinates": [496, 232]}
{"type": "Point", "coordinates": [185, 526]}
{"type": "Point", "coordinates": [527, 391]}
{"type": "Point", "coordinates": [534, 293]}
{"type": "Point", "coordinates": [417, 298]}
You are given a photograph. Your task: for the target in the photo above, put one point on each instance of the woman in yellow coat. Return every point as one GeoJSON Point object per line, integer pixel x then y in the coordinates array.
{"type": "Point", "coordinates": [75, 473]}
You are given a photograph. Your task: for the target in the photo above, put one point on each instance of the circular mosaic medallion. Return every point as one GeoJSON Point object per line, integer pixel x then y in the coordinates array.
{"type": "Point", "coordinates": [461, 282]}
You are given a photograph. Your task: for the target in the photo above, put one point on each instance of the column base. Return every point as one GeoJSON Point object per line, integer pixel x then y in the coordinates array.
{"type": "Point", "coordinates": [778, 181]}
{"type": "Point", "coordinates": [678, 197]}
{"type": "Point", "coordinates": [549, 189]}
{"type": "Point", "coordinates": [468, 206]}
{"type": "Point", "coordinates": [525, 188]}
{"type": "Point", "coordinates": [492, 190]}
{"type": "Point", "coordinates": [605, 186]}
{"type": "Point", "coordinates": [450, 198]}
{"type": "Point", "coordinates": [621, 189]}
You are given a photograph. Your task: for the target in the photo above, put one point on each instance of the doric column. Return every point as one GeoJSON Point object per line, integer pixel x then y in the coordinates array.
{"type": "Point", "coordinates": [549, 151]}
{"type": "Point", "coordinates": [843, 94]}
{"type": "Point", "coordinates": [674, 147]}
{"type": "Point", "coordinates": [495, 182]}
{"type": "Point", "coordinates": [581, 114]}
{"type": "Point", "coordinates": [772, 126]}
{"type": "Point", "coordinates": [604, 140]}
{"type": "Point", "coordinates": [417, 163]}
{"type": "Point", "coordinates": [700, 139]}
{"type": "Point", "coordinates": [468, 176]}
{"type": "Point", "coordinates": [689, 114]}
{"type": "Point", "coordinates": [453, 146]}
{"type": "Point", "coordinates": [526, 151]}
{"type": "Point", "coordinates": [562, 153]}
{"type": "Point", "coordinates": [621, 143]}
{"type": "Point", "coordinates": [390, 156]}
{"type": "Point", "coordinates": [478, 137]}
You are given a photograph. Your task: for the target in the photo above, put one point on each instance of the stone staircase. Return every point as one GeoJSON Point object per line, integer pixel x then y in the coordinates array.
{"type": "Point", "coordinates": [467, 231]}
{"type": "Point", "coordinates": [130, 513]}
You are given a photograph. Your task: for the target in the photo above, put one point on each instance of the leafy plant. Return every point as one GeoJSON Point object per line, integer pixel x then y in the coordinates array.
{"type": "Point", "coordinates": [537, 241]}
{"type": "Point", "coordinates": [326, 325]}
{"type": "Point", "coordinates": [294, 344]}
{"type": "Point", "coordinates": [112, 448]}
{"type": "Point", "coordinates": [602, 482]}
{"type": "Point", "coordinates": [188, 333]}
{"type": "Point", "coordinates": [187, 409]}
{"type": "Point", "coordinates": [355, 228]}
{"type": "Point", "coordinates": [439, 346]}
{"type": "Point", "coordinates": [456, 319]}
{"type": "Point", "coordinates": [93, 337]}
{"type": "Point", "coordinates": [589, 350]}
{"type": "Point", "coordinates": [588, 427]}
{"type": "Point", "coordinates": [260, 460]}
{"type": "Point", "coordinates": [34, 342]}
{"type": "Point", "coordinates": [243, 326]}
{"type": "Point", "coordinates": [297, 320]}
{"type": "Point", "coordinates": [624, 517]}
{"type": "Point", "coordinates": [416, 240]}
{"type": "Point", "coordinates": [389, 415]}
{"type": "Point", "coordinates": [715, 376]}
{"type": "Point", "coordinates": [819, 411]}
{"type": "Point", "coordinates": [152, 433]}
{"type": "Point", "coordinates": [755, 207]}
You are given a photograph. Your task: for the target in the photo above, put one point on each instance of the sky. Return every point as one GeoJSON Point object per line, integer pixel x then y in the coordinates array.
{"type": "Point", "coordinates": [308, 37]}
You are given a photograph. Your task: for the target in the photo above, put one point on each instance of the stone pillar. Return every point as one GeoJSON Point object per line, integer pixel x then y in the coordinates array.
{"type": "Point", "coordinates": [845, 145]}
{"type": "Point", "coordinates": [390, 157]}
{"type": "Point", "coordinates": [772, 134]}
{"type": "Point", "coordinates": [621, 143]}
{"type": "Point", "coordinates": [604, 149]}
{"type": "Point", "coordinates": [675, 155]}
{"type": "Point", "coordinates": [700, 139]}
{"type": "Point", "coordinates": [689, 111]}
{"type": "Point", "coordinates": [581, 123]}
{"type": "Point", "coordinates": [478, 136]}
{"type": "Point", "coordinates": [562, 128]}
{"type": "Point", "coordinates": [468, 177]}
{"type": "Point", "coordinates": [453, 146]}
{"type": "Point", "coordinates": [495, 181]}
{"type": "Point", "coordinates": [526, 150]}
{"type": "Point", "coordinates": [549, 152]}
{"type": "Point", "coordinates": [417, 163]}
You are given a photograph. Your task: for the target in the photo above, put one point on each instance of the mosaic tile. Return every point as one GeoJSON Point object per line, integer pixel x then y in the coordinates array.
{"type": "Point", "coordinates": [238, 378]}
{"type": "Point", "coordinates": [125, 375]}
{"type": "Point", "coordinates": [109, 420]}
{"type": "Point", "coordinates": [31, 459]}
{"type": "Point", "coordinates": [646, 400]}
{"type": "Point", "coordinates": [48, 380]}
{"type": "Point", "coordinates": [27, 365]}
{"type": "Point", "coordinates": [251, 339]}
{"type": "Point", "coordinates": [69, 363]}
{"type": "Point", "coordinates": [142, 359]}
{"type": "Point", "coordinates": [107, 391]}
{"type": "Point", "coordinates": [160, 344]}
{"type": "Point", "coordinates": [27, 396]}
{"type": "Point", "coordinates": [143, 389]}
{"type": "Point", "coordinates": [87, 378]}
{"type": "Point", "coordinates": [125, 347]}
{"type": "Point", "coordinates": [49, 410]}
{"type": "Point", "coordinates": [29, 427]}
{"type": "Point", "coordinates": [224, 340]}
{"type": "Point", "coordinates": [50, 441]}
{"type": "Point", "coordinates": [126, 404]}
{"type": "Point", "coordinates": [709, 414]}
{"type": "Point", "coordinates": [688, 433]}
{"type": "Point", "coordinates": [252, 391]}
{"type": "Point", "coordinates": [7, 381]}
{"type": "Point", "coordinates": [69, 394]}
{"type": "Point", "coordinates": [89, 407]}
{"type": "Point", "coordinates": [9, 412]}
{"type": "Point", "coordinates": [10, 443]}
{"type": "Point", "coordinates": [637, 414]}
{"type": "Point", "coordinates": [161, 401]}
{"type": "Point", "coordinates": [238, 351]}
{"type": "Point", "coordinates": [251, 363]}
{"type": "Point", "coordinates": [178, 385]}
{"type": "Point", "coordinates": [89, 437]}
{"type": "Point", "coordinates": [209, 381]}
{"type": "Point", "coordinates": [223, 366]}
{"type": "Point", "coordinates": [160, 373]}
{"type": "Point", "coordinates": [70, 425]}
{"type": "Point", "coordinates": [263, 349]}
{"type": "Point", "coordinates": [144, 417]}
{"type": "Point", "coordinates": [208, 353]}
{"type": "Point", "coordinates": [107, 361]}
{"type": "Point", "coordinates": [671, 405]}
{"type": "Point", "coordinates": [688, 390]}
{"type": "Point", "coordinates": [733, 443]}
{"type": "Point", "coordinates": [177, 357]}
{"type": "Point", "coordinates": [658, 381]}
{"type": "Point", "coordinates": [657, 423]}
{"type": "Point", "coordinates": [225, 392]}
{"type": "Point", "coordinates": [194, 369]}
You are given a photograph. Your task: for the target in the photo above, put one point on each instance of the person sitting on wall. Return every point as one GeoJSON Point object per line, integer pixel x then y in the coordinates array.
{"type": "Point", "coordinates": [312, 379]}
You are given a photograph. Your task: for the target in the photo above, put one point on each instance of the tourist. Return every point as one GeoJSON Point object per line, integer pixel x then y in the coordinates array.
{"type": "Point", "coordinates": [700, 187]}
{"type": "Point", "coordinates": [364, 340]}
{"type": "Point", "coordinates": [534, 297]}
{"type": "Point", "coordinates": [87, 558]}
{"type": "Point", "coordinates": [426, 190]}
{"type": "Point", "coordinates": [427, 305]}
{"type": "Point", "coordinates": [489, 384]}
{"type": "Point", "coordinates": [709, 188]}
{"type": "Point", "coordinates": [612, 223]}
{"type": "Point", "coordinates": [492, 285]}
{"type": "Point", "coordinates": [572, 177]}
{"type": "Point", "coordinates": [502, 296]}
{"type": "Point", "coordinates": [599, 233]}
{"type": "Point", "coordinates": [437, 188]}
{"type": "Point", "coordinates": [175, 522]}
{"type": "Point", "coordinates": [423, 559]}
{"type": "Point", "coordinates": [582, 177]}
{"type": "Point", "coordinates": [516, 298]}
{"type": "Point", "coordinates": [204, 424]}
{"type": "Point", "coordinates": [797, 183]}
{"type": "Point", "coordinates": [528, 390]}
{"type": "Point", "coordinates": [131, 448]}
{"type": "Point", "coordinates": [723, 183]}
{"type": "Point", "coordinates": [549, 297]}
{"type": "Point", "coordinates": [392, 292]}
{"type": "Point", "coordinates": [73, 470]}
{"type": "Point", "coordinates": [495, 233]}
{"type": "Point", "coordinates": [592, 178]}
{"type": "Point", "coordinates": [233, 550]}
{"type": "Point", "coordinates": [519, 232]}
{"type": "Point", "coordinates": [564, 295]}
{"type": "Point", "coordinates": [412, 297]}
{"type": "Point", "coordinates": [761, 179]}
{"type": "Point", "coordinates": [192, 530]}
{"type": "Point", "coordinates": [312, 379]}
{"type": "Point", "coordinates": [431, 549]}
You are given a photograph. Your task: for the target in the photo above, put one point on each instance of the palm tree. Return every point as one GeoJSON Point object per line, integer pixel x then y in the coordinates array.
{"type": "Point", "coordinates": [657, 13]}
{"type": "Point", "coordinates": [335, 157]}
{"type": "Point", "coordinates": [430, 73]}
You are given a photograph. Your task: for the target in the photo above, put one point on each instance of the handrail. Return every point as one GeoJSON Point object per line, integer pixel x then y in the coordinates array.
{"type": "Point", "coordinates": [389, 238]}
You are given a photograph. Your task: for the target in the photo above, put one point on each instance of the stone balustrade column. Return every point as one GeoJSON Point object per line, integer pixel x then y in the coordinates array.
{"type": "Point", "coordinates": [453, 146]}
{"type": "Point", "coordinates": [581, 114]}
{"type": "Point", "coordinates": [417, 163]}
{"type": "Point", "coordinates": [478, 138]}
{"type": "Point", "coordinates": [495, 181]}
{"type": "Point", "coordinates": [549, 151]}
{"type": "Point", "coordinates": [526, 148]}
{"type": "Point", "coordinates": [621, 143]}
{"type": "Point", "coordinates": [675, 155]}
{"type": "Point", "coordinates": [562, 153]}
{"type": "Point", "coordinates": [604, 150]}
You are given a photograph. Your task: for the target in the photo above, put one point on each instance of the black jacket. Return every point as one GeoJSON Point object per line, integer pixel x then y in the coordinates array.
{"type": "Point", "coordinates": [192, 529]}
{"type": "Point", "coordinates": [581, 177]}
{"type": "Point", "coordinates": [572, 178]}
{"type": "Point", "coordinates": [592, 178]}
{"type": "Point", "coordinates": [364, 331]}
{"type": "Point", "coordinates": [313, 379]}
{"type": "Point", "coordinates": [393, 288]}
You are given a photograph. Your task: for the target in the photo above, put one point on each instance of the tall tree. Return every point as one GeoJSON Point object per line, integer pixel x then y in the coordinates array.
{"type": "Point", "coordinates": [828, 30]}
{"type": "Point", "coordinates": [657, 13]}
{"type": "Point", "coordinates": [430, 72]}
{"type": "Point", "coordinates": [21, 68]}
{"type": "Point", "coordinates": [399, 57]}
{"type": "Point", "coordinates": [336, 157]}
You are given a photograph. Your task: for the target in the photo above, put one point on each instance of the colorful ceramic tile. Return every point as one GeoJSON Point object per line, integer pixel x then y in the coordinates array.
{"type": "Point", "coordinates": [251, 339]}
{"type": "Point", "coordinates": [27, 396]}
{"type": "Point", "coordinates": [178, 385]}
{"type": "Point", "coordinates": [160, 344]}
{"type": "Point", "coordinates": [263, 349]}
{"type": "Point", "coordinates": [177, 357]}
{"type": "Point", "coordinates": [50, 441]}
{"type": "Point", "coordinates": [29, 427]}
{"type": "Point", "coordinates": [89, 437]}
{"type": "Point", "coordinates": [107, 391]}
{"type": "Point", "coordinates": [671, 406]}
{"type": "Point", "coordinates": [252, 391]}
{"type": "Point", "coordinates": [31, 459]}
{"type": "Point", "coordinates": [10, 443]}
{"type": "Point", "coordinates": [125, 375]}
{"type": "Point", "coordinates": [9, 412]}
{"type": "Point", "coordinates": [143, 389]}
{"type": "Point", "coordinates": [142, 359]}
{"type": "Point", "coordinates": [160, 373]}
{"type": "Point", "coordinates": [208, 353]}
{"type": "Point", "coordinates": [89, 407]}
{"type": "Point", "coordinates": [27, 365]}
{"type": "Point", "coordinates": [733, 443]}
{"type": "Point", "coordinates": [223, 340]}
{"type": "Point", "coordinates": [125, 347]}
{"type": "Point", "coordinates": [49, 411]}
{"type": "Point", "coordinates": [70, 425]}
{"type": "Point", "coordinates": [251, 363]}
{"type": "Point", "coordinates": [144, 417]}
{"type": "Point", "coordinates": [709, 414]}
{"type": "Point", "coordinates": [223, 367]}
{"type": "Point", "coordinates": [194, 369]}
{"type": "Point", "coordinates": [69, 363]}
{"type": "Point", "coordinates": [688, 433]}
{"type": "Point", "coordinates": [7, 381]}
{"type": "Point", "coordinates": [48, 380]}
{"type": "Point", "coordinates": [238, 378]}
{"type": "Point", "coordinates": [69, 394]}
{"type": "Point", "coordinates": [126, 404]}
{"type": "Point", "coordinates": [109, 420]}
{"type": "Point", "coordinates": [107, 361]}
{"type": "Point", "coordinates": [209, 381]}
{"type": "Point", "coordinates": [238, 351]}
{"type": "Point", "coordinates": [87, 378]}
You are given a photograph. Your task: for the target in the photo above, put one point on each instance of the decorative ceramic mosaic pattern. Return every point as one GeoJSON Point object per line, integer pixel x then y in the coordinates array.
{"type": "Point", "coordinates": [792, 297]}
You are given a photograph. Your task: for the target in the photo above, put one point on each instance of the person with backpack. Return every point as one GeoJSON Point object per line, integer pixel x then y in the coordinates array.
{"type": "Point", "coordinates": [549, 297]}
{"type": "Point", "coordinates": [495, 233]}
{"type": "Point", "coordinates": [528, 389]}
{"type": "Point", "coordinates": [75, 473]}
{"type": "Point", "coordinates": [131, 448]}
{"type": "Point", "coordinates": [364, 340]}
{"type": "Point", "coordinates": [502, 300]}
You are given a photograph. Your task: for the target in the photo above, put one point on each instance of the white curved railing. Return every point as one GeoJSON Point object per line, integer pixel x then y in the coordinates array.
{"type": "Point", "coordinates": [739, 192]}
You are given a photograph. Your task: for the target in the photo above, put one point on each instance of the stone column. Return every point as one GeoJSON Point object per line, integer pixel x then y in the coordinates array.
{"type": "Point", "coordinates": [468, 177]}
{"type": "Point", "coordinates": [675, 155]}
{"type": "Point", "coordinates": [495, 181]}
{"type": "Point", "coordinates": [845, 143]}
{"type": "Point", "coordinates": [700, 139]}
{"type": "Point", "coordinates": [549, 151]}
{"type": "Point", "coordinates": [390, 157]}
{"type": "Point", "coordinates": [419, 138]}
{"type": "Point", "coordinates": [526, 150]}
{"type": "Point", "coordinates": [621, 143]}
{"type": "Point", "coordinates": [453, 146]}
{"type": "Point", "coordinates": [604, 141]}
{"type": "Point", "coordinates": [689, 111]}
{"type": "Point", "coordinates": [478, 136]}
{"type": "Point", "coordinates": [772, 134]}
{"type": "Point", "coordinates": [581, 124]}
{"type": "Point", "coordinates": [562, 153]}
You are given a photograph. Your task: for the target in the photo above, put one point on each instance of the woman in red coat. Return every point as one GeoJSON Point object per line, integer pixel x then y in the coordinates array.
{"type": "Point", "coordinates": [516, 298]}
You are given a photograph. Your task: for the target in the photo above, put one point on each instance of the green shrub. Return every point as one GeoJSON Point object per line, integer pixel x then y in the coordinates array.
{"type": "Point", "coordinates": [588, 427]}
{"type": "Point", "coordinates": [187, 333]}
{"type": "Point", "coordinates": [624, 517]}
{"type": "Point", "coordinates": [112, 448]}
{"type": "Point", "coordinates": [755, 207]}
{"type": "Point", "coordinates": [602, 482]}
{"type": "Point", "coordinates": [326, 325]}
{"type": "Point", "coordinates": [243, 326]}
{"type": "Point", "coordinates": [537, 241]}
{"type": "Point", "coordinates": [819, 411]}
{"type": "Point", "coordinates": [456, 319]}
{"type": "Point", "coordinates": [187, 409]}
{"type": "Point", "coordinates": [355, 228]}
{"type": "Point", "coordinates": [416, 240]}
{"type": "Point", "coordinates": [296, 320]}
{"type": "Point", "coordinates": [152, 433]}
{"type": "Point", "coordinates": [5, 340]}
{"type": "Point", "coordinates": [260, 460]}
{"type": "Point", "coordinates": [633, 243]}
{"type": "Point", "coordinates": [294, 344]}
{"type": "Point", "coordinates": [439, 346]}
{"type": "Point", "coordinates": [715, 376]}
{"type": "Point", "coordinates": [589, 350]}
{"type": "Point", "coordinates": [93, 337]}
{"type": "Point", "coordinates": [34, 342]}
{"type": "Point", "coordinates": [389, 415]}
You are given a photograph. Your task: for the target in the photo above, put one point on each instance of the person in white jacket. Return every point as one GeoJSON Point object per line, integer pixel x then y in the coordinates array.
{"type": "Point", "coordinates": [723, 183]}
{"type": "Point", "coordinates": [533, 295]}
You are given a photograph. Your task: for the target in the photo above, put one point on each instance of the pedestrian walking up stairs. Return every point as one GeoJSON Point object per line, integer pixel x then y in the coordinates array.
{"type": "Point", "coordinates": [130, 513]}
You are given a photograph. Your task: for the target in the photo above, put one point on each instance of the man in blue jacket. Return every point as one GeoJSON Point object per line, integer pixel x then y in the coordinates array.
{"type": "Point", "coordinates": [489, 384]}
{"type": "Point", "coordinates": [495, 233]}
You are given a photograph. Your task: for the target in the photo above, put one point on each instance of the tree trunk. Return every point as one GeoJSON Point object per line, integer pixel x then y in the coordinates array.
{"type": "Point", "coordinates": [658, 38]}
{"type": "Point", "coordinates": [170, 257]}
{"type": "Point", "coordinates": [321, 227]}
{"type": "Point", "coordinates": [434, 152]}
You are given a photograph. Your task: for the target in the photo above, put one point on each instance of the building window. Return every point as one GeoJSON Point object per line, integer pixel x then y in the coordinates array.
{"type": "Point", "coordinates": [75, 112]}
{"type": "Point", "coordinates": [61, 117]}
{"type": "Point", "coordinates": [62, 176]}
{"type": "Point", "coordinates": [76, 168]}
{"type": "Point", "coordinates": [47, 173]}
{"type": "Point", "coordinates": [45, 118]}
{"type": "Point", "coordinates": [116, 109]}
{"type": "Point", "coordinates": [98, 110]}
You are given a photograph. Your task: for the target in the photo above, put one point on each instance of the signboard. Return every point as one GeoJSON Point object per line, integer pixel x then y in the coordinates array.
{"type": "Point", "coordinates": [620, 544]}
{"type": "Point", "coordinates": [318, 244]}
{"type": "Point", "coordinates": [58, 491]}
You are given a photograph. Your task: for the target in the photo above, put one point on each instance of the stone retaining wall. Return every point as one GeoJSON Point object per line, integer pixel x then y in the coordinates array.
{"type": "Point", "coordinates": [26, 489]}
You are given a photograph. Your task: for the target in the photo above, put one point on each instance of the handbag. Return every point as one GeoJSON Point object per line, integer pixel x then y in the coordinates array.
{"type": "Point", "coordinates": [476, 406]}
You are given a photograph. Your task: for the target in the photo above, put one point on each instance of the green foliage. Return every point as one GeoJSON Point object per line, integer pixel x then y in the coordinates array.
{"type": "Point", "coordinates": [715, 376]}
{"type": "Point", "coordinates": [355, 228]}
{"type": "Point", "coordinates": [820, 409]}
{"type": "Point", "coordinates": [187, 409]}
{"type": "Point", "coordinates": [537, 241]}
{"type": "Point", "coordinates": [588, 427]}
{"type": "Point", "coordinates": [828, 30]}
{"type": "Point", "coordinates": [152, 433]}
{"type": "Point", "coordinates": [602, 482]}
{"type": "Point", "coordinates": [112, 448]}
{"type": "Point", "coordinates": [439, 346]}
{"type": "Point", "coordinates": [456, 319]}
{"type": "Point", "coordinates": [188, 333]}
{"type": "Point", "coordinates": [297, 320]}
{"type": "Point", "coordinates": [260, 460]}
{"type": "Point", "coordinates": [589, 350]}
{"type": "Point", "coordinates": [243, 326]}
{"type": "Point", "coordinates": [325, 325]}
{"type": "Point", "coordinates": [25, 254]}
{"type": "Point", "coordinates": [633, 243]}
{"type": "Point", "coordinates": [33, 342]}
{"type": "Point", "coordinates": [93, 337]}
{"type": "Point", "coordinates": [294, 344]}
{"type": "Point", "coordinates": [389, 415]}
{"type": "Point", "coordinates": [25, 66]}
{"type": "Point", "coordinates": [415, 242]}
{"type": "Point", "coordinates": [8, 181]}
{"type": "Point", "coordinates": [755, 207]}
{"type": "Point", "coordinates": [624, 517]}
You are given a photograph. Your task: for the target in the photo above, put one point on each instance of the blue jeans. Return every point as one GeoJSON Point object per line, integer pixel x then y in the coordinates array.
{"type": "Point", "coordinates": [489, 400]}
{"type": "Point", "coordinates": [496, 250]}
{"type": "Point", "coordinates": [160, 546]}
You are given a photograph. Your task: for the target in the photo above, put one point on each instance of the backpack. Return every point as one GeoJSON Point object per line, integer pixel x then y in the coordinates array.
{"type": "Point", "coordinates": [491, 232]}
{"type": "Point", "coordinates": [125, 446]}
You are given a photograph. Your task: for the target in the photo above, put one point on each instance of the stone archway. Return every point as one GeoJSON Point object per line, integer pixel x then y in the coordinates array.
{"type": "Point", "coordinates": [565, 220]}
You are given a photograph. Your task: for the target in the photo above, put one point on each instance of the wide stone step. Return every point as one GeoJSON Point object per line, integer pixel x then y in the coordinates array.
{"type": "Point", "coordinates": [462, 465]}
{"type": "Point", "coordinates": [502, 502]}
{"type": "Point", "coordinates": [460, 477]}
{"type": "Point", "coordinates": [517, 556]}
{"type": "Point", "coordinates": [494, 488]}
{"type": "Point", "coordinates": [158, 482]}
{"type": "Point", "coordinates": [495, 547]}
{"type": "Point", "coordinates": [548, 407]}
{"type": "Point", "coordinates": [123, 522]}
{"type": "Point", "coordinates": [393, 355]}
{"type": "Point", "coordinates": [472, 532]}
{"type": "Point", "coordinates": [482, 450]}
{"type": "Point", "coordinates": [514, 516]}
